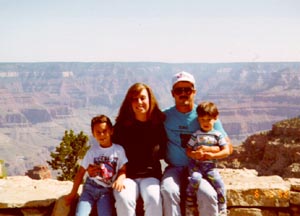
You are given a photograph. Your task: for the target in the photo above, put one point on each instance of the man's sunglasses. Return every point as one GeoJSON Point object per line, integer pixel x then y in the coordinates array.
{"type": "Point", "coordinates": [186, 90]}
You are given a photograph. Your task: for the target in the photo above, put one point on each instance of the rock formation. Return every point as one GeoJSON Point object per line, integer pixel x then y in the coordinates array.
{"type": "Point", "coordinates": [39, 172]}
{"type": "Point", "coordinates": [274, 152]}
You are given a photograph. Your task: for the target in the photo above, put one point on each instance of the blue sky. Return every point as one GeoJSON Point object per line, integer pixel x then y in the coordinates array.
{"type": "Point", "coordinates": [157, 30]}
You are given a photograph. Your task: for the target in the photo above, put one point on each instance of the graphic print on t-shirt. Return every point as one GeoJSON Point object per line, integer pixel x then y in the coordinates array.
{"type": "Point", "coordinates": [207, 139]}
{"type": "Point", "coordinates": [107, 168]}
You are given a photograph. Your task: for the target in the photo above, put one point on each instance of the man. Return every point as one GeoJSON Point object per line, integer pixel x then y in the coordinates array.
{"type": "Point", "coordinates": [181, 122]}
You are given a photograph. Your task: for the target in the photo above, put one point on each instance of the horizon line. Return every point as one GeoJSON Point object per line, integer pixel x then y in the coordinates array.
{"type": "Point", "coordinates": [160, 62]}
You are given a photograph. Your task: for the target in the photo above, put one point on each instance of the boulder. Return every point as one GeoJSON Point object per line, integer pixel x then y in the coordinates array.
{"type": "Point", "coordinates": [39, 172]}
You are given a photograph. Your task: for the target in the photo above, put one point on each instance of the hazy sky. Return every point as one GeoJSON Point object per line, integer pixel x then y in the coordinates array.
{"type": "Point", "coordinates": [150, 30]}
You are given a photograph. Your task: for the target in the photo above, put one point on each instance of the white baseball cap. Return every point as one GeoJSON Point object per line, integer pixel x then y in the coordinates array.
{"type": "Point", "coordinates": [183, 76]}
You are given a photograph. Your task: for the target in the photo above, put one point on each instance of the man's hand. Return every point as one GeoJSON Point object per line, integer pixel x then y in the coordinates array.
{"type": "Point", "coordinates": [197, 154]}
{"type": "Point", "coordinates": [208, 155]}
{"type": "Point", "coordinates": [203, 152]}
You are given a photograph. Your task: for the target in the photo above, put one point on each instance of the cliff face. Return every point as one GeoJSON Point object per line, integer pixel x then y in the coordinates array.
{"type": "Point", "coordinates": [39, 101]}
{"type": "Point", "coordinates": [274, 152]}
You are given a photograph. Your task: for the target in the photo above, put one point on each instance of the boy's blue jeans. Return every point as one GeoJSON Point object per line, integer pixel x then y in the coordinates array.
{"type": "Point", "coordinates": [95, 194]}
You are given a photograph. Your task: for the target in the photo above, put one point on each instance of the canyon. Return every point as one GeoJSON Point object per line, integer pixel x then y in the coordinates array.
{"type": "Point", "coordinates": [39, 101]}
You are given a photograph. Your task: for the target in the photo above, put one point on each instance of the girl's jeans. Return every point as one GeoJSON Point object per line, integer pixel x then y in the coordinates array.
{"type": "Point", "coordinates": [173, 186]}
{"type": "Point", "coordinates": [147, 188]}
{"type": "Point", "coordinates": [93, 193]}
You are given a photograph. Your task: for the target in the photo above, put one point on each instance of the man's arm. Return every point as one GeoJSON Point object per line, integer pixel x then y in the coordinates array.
{"type": "Point", "coordinates": [229, 145]}
{"type": "Point", "coordinates": [223, 153]}
{"type": "Point", "coordinates": [219, 127]}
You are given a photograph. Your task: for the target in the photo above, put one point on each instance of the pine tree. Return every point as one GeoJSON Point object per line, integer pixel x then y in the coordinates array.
{"type": "Point", "coordinates": [65, 158]}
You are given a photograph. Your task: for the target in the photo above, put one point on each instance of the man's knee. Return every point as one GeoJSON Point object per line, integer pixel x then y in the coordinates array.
{"type": "Point", "coordinates": [206, 193]}
{"type": "Point", "coordinates": [169, 187]}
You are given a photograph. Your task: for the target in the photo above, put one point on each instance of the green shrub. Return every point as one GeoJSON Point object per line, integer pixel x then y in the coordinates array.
{"type": "Point", "coordinates": [66, 156]}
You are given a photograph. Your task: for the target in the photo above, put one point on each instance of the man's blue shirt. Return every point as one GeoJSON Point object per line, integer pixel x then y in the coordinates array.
{"type": "Point", "coordinates": [179, 127]}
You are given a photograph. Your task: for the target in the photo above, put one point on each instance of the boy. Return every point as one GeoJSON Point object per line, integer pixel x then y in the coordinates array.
{"type": "Point", "coordinates": [198, 169]}
{"type": "Point", "coordinates": [105, 165]}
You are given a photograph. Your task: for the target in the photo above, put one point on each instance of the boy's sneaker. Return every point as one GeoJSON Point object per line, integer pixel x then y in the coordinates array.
{"type": "Point", "coordinates": [190, 206]}
{"type": "Point", "coordinates": [223, 212]}
{"type": "Point", "coordinates": [191, 211]}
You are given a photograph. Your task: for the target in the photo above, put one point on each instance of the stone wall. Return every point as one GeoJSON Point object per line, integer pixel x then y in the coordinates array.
{"type": "Point", "coordinates": [247, 194]}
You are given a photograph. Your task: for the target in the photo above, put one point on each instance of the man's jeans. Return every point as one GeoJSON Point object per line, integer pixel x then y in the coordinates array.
{"type": "Point", "coordinates": [173, 187]}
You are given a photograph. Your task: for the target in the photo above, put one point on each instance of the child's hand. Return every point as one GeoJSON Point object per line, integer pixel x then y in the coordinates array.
{"type": "Point", "coordinates": [203, 148]}
{"type": "Point", "coordinates": [195, 154]}
{"type": "Point", "coordinates": [208, 155]}
{"type": "Point", "coordinates": [118, 185]}
{"type": "Point", "coordinates": [93, 170]}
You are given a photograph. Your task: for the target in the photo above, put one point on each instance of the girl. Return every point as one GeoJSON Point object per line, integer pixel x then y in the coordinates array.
{"type": "Point", "coordinates": [139, 129]}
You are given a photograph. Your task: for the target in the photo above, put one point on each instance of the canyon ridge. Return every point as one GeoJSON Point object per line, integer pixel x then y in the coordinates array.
{"type": "Point", "coordinates": [39, 101]}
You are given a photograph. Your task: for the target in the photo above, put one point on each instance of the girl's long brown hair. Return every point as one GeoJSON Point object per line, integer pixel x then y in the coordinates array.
{"type": "Point", "coordinates": [126, 114]}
